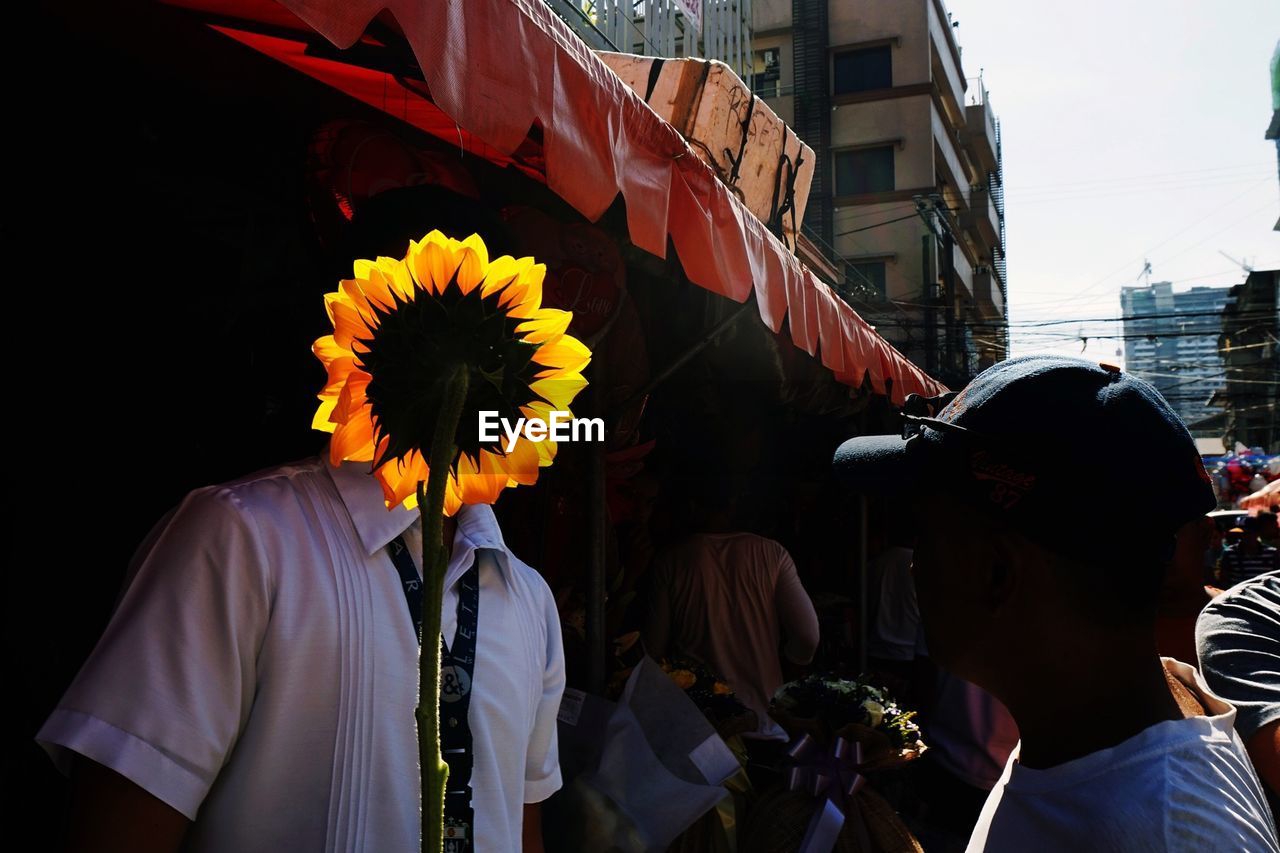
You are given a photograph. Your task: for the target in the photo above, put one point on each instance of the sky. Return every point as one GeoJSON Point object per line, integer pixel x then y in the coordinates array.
{"type": "Point", "coordinates": [1131, 130]}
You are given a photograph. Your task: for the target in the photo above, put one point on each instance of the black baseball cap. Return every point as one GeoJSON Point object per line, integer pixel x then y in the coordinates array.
{"type": "Point", "coordinates": [1076, 455]}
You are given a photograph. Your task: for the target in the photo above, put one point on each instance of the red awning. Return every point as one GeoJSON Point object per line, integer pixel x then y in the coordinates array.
{"type": "Point", "coordinates": [495, 68]}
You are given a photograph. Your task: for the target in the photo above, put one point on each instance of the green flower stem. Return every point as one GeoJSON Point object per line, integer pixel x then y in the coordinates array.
{"type": "Point", "coordinates": [435, 773]}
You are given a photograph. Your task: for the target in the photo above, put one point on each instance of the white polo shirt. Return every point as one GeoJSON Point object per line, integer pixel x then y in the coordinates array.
{"type": "Point", "coordinates": [1179, 786]}
{"type": "Point", "coordinates": [260, 673]}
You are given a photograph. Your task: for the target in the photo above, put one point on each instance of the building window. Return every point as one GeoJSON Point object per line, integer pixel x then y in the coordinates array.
{"type": "Point", "coordinates": [863, 70]}
{"type": "Point", "coordinates": [865, 279]}
{"type": "Point", "coordinates": [765, 72]}
{"type": "Point", "coordinates": [864, 170]}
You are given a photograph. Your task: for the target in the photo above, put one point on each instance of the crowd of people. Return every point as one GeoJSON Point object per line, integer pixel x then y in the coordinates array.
{"type": "Point", "coordinates": [1248, 550]}
{"type": "Point", "coordinates": [254, 689]}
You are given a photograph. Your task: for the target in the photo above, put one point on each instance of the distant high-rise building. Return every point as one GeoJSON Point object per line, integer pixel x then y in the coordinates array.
{"type": "Point", "coordinates": [716, 29]}
{"type": "Point", "coordinates": [1171, 341]}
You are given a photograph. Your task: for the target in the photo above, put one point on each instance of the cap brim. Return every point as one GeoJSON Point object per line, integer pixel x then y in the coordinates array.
{"type": "Point", "coordinates": [880, 463]}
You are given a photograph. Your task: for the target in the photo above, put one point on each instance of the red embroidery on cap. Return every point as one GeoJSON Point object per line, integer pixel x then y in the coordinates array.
{"type": "Point", "coordinates": [1008, 485]}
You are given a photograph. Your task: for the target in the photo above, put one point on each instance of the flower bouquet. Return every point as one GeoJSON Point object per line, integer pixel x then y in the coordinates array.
{"type": "Point", "coordinates": [826, 707]}
{"type": "Point", "coordinates": [713, 696]}
{"type": "Point", "coordinates": [841, 729]}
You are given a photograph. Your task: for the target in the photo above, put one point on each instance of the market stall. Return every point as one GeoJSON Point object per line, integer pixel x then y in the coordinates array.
{"type": "Point", "coordinates": [588, 135]}
{"type": "Point", "coordinates": [665, 269]}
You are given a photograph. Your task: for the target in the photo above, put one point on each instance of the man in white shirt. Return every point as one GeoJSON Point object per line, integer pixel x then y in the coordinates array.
{"type": "Point", "coordinates": [255, 688]}
{"type": "Point", "coordinates": [1025, 591]}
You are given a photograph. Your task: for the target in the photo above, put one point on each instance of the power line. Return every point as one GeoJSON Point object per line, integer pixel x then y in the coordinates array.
{"type": "Point", "coordinates": [1069, 195]}
{"type": "Point", "coordinates": [1148, 252]}
{"type": "Point", "coordinates": [1249, 315]}
{"type": "Point", "coordinates": [1151, 175]}
{"type": "Point", "coordinates": [1018, 199]}
{"type": "Point", "coordinates": [1227, 227]}
{"type": "Point", "coordinates": [1202, 378]}
{"type": "Point", "coordinates": [875, 225]}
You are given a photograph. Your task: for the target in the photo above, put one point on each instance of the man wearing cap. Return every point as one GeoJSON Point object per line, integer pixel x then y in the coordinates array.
{"type": "Point", "coordinates": [1024, 591]}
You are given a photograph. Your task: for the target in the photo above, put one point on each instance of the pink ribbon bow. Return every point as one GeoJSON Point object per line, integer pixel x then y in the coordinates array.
{"type": "Point", "coordinates": [833, 777]}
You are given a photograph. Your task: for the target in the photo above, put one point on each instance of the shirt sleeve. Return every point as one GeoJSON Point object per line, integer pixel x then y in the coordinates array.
{"type": "Point", "coordinates": [542, 761]}
{"type": "Point", "coordinates": [796, 615]}
{"type": "Point", "coordinates": [1238, 643]}
{"type": "Point", "coordinates": [164, 694]}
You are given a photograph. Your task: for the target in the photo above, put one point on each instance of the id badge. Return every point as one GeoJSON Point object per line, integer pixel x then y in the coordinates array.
{"type": "Point", "coordinates": [457, 836]}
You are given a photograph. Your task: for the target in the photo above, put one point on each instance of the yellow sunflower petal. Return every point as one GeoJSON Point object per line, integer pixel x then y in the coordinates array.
{"type": "Point", "coordinates": [452, 497]}
{"type": "Point", "coordinates": [523, 297]}
{"type": "Point", "coordinates": [546, 449]}
{"type": "Point", "coordinates": [321, 420]}
{"type": "Point", "coordinates": [338, 370]}
{"type": "Point", "coordinates": [546, 325]}
{"type": "Point", "coordinates": [395, 275]}
{"type": "Point", "coordinates": [565, 353]}
{"type": "Point", "coordinates": [479, 482]}
{"type": "Point", "coordinates": [399, 479]}
{"type": "Point", "coordinates": [326, 349]}
{"type": "Point", "coordinates": [512, 294]}
{"type": "Point", "coordinates": [353, 440]}
{"type": "Point", "coordinates": [559, 390]}
{"type": "Point", "coordinates": [354, 291]}
{"type": "Point", "coordinates": [376, 287]}
{"type": "Point", "coordinates": [502, 271]}
{"type": "Point", "coordinates": [474, 257]}
{"type": "Point", "coordinates": [432, 262]}
{"type": "Point", "coordinates": [352, 401]}
{"type": "Point", "coordinates": [494, 474]}
{"type": "Point", "coordinates": [348, 325]}
{"type": "Point", "coordinates": [521, 464]}
{"type": "Point", "coordinates": [532, 279]}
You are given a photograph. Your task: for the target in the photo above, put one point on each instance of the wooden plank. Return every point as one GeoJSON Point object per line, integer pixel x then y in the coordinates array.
{"type": "Point", "coordinates": [750, 149]}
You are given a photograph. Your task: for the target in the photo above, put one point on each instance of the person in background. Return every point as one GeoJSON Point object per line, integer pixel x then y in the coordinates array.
{"type": "Point", "coordinates": [1244, 557]}
{"type": "Point", "coordinates": [1238, 640]}
{"type": "Point", "coordinates": [732, 600]}
{"type": "Point", "coordinates": [969, 732]}
{"type": "Point", "coordinates": [1268, 529]}
{"type": "Point", "coordinates": [1025, 591]}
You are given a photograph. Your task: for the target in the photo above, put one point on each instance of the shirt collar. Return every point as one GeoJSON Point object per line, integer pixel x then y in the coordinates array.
{"type": "Point", "coordinates": [377, 526]}
{"type": "Point", "coordinates": [477, 530]}
{"type": "Point", "coordinates": [362, 495]}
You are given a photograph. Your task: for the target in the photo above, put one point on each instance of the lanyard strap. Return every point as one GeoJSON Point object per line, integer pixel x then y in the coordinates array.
{"type": "Point", "coordinates": [457, 668]}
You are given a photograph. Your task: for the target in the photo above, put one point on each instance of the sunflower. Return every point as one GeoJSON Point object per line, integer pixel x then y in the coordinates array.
{"type": "Point", "coordinates": [420, 347]}
{"type": "Point", "coordinates": [400, 327]}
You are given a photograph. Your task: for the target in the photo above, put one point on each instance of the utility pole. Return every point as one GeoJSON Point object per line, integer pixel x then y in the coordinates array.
{"type": "Point", "coordinates": [940, 286]}
{"type": "Point", "coordinates": [930, 291]}
{"type": "Point", "coordinates": [949, 294]}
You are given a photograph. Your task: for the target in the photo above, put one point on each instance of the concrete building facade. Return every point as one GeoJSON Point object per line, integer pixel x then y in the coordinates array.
{"type": "Point", "coordinates": [907, 197]}
{"type": "Point", "coordinates": [1250, 350]}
